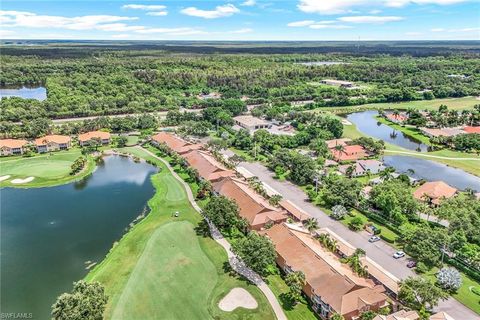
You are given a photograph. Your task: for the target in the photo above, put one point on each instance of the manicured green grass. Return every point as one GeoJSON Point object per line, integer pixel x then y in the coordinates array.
{"type": "Point", "coordinates": [300, 311]}
{"type": "Point", "coordinates": [132, 140]}
{"type": "Point", "coordinates": [464, 294]}
{"type": "Point", "coordinates": [452, 103]}
{"type": "Point", "coordinates": [48, 169]}
{"type": "Point", "coordinates": [165, 267]}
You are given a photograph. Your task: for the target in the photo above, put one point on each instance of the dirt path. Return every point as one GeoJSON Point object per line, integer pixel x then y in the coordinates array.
{"type": "Point", "coordinates": [237, 264]}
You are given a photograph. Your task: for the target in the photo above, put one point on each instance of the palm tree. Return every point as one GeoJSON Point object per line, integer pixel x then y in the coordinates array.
{"type": "Point", "coordinates": [387, 173]}
{"type": "Point", "coordinates": [311, 224]}
{"type": "Point", "coordinates": [275, 199]}
{"type": "Point", "coordinates": [355, 264]}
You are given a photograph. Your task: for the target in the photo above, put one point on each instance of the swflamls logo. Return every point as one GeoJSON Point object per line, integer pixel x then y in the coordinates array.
{"type": "Point", "coordinates": [16, 315]}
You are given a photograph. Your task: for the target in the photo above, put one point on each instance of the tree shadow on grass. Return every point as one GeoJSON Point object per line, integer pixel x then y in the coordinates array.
{"type": "Point", "coordinates": [202, 229]}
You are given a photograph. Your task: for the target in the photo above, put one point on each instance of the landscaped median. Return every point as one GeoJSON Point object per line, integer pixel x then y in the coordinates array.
{"type": "Point", "coordinates": [167, 267]}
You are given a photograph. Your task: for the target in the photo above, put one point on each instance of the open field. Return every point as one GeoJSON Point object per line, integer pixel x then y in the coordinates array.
{"type": "Point", "coordinates": [184, 274]}
{"type": "Point", "coordinates": [47, 169]}
{"type": "Point", "coordinates": [451, 103]}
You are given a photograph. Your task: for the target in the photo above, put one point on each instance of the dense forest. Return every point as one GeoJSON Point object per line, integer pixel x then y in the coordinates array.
{"type": "Point", "coordinates": [123, 81]}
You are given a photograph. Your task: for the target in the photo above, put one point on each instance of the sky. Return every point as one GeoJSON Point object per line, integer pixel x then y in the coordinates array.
{"type": "Point", "coordinates": [241, 20]}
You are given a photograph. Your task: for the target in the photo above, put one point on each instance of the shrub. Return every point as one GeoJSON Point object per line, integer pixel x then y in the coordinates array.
{"type": "Point", "coordinates": [356, 224]}
{"type": "Point", "coordinates": [449, 279]}
{"type": "Point", "coordinates": [338, 212]}
{"type": "Point", "coordinates": [421, 267]}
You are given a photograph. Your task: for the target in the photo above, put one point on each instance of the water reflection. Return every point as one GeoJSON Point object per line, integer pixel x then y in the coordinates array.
{"type": "Point", "coordinates": [367, 124]}
{"type": "Point", "coordinates": [37, 93]}
{"type": "Point", "coordinates": [47, 234]}
{"type": "Point", "coordinates": [433, 171]}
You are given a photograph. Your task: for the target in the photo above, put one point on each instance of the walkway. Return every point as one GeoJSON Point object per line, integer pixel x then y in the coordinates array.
{"type": "Point", "coordinates": [380, 252]}
{"type": "Point", "coordinates": [235, 262]}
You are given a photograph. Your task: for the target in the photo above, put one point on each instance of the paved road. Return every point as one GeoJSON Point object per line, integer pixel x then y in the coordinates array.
{"type": "Point", "coordinates": [236, 262]}
{"type": "Point", "coordinates": [379, 251]}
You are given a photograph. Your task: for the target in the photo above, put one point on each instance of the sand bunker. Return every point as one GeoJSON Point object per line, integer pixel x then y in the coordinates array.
{"type": "Point", "coordinates": [26, 180]}
{"type": "Point", "coordinates": [238, 298]}
{"type": "Point", "coordinates": [4, 177]}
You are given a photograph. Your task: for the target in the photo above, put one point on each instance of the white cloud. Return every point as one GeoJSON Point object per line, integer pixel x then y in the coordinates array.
{"type": "Point", "coordinates": [370, 19]}
{"type": "Point", "coordinates": [375, 11]}
{"type": "Point", "coordinates": [303, 23]}
{"type": "Point", "coordinates": [249, 3]}
{"type": "Point", "coordinates": [32, 20]}
{"type": "Point", "coordinates": [157, 13]}
{"type": "Point", "coordinates": [344, 6]}
{"type": "Point", "coordinates": [154, 10]}
{"type": "Point", "coordinates": [144, 7]}
{"type": "Point", "coordinates": [220, 11]}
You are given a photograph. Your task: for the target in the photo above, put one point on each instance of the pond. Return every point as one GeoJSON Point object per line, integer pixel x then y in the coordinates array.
{"type": "Point", "coordinates": [433, 171]}
{"type": "Point", "coordinates": [367, 124]}
{"type": "Point", "coordinates": [49, 236]}
{"type": "Point", "coordinates": [38, 93]}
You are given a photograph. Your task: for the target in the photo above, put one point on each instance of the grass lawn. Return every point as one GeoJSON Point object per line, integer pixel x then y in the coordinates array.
{"type": "Point", "coordinates": [48, 169]}
{"type": "Point", "coordinates": [300, 311]}
{"type": "Point", "coordinates": [166, 268]}
{"type": "Point", "coordinates": [452, 103]}
{"type": "Point", "coordinates": [464, 294]}
{"type": "Point", "coordinates": [132, 140]}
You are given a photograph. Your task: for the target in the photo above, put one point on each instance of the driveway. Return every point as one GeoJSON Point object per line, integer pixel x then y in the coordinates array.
{"type": "Point", "coordinates": [380, 251]}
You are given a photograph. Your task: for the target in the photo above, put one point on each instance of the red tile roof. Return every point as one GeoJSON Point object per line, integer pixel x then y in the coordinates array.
{"type": "Point", "coordinates": [207, 166]}
{"type": "Point", "coordinates": [94, 134]}
{"type": "Point", "coordinates": [12, 143]}
{"type": "Point", "coordinates": [435, 190]}
{"type": "Point", "coordinates": [353, 152]}
{"type": "Point", "coordinates": [175, 143]}
{"type": "Point", "coordinates": [295, 211]}
{"type": "Point", "coordinates": [393, 117]}
{"type": "Point", "coordinates": [470, 129]}
{"type": "Point", "coordinates": [335, 289]}
{"type": "Point", "coordinates": [52, 138]}
{"type": "Point", "coordinates": [253, 207]}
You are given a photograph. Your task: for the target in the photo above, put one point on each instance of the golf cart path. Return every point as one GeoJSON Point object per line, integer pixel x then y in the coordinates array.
{"type": "Point", "coordinates": [236, 262]}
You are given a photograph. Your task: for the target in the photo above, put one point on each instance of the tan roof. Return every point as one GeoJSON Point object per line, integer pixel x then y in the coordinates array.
{"type": "Point", "coordinates": [207, 166]}
{"type": "Point", "coordinates": [435, 190]}
{"type": "Point", "coordinates": [12, 143]}
{"type": "Point", "coordinates": [294, 210]}
{"type": "Point", "coordinates": [175, 143]}
{"type": "Point", "coordinates": [341, 293]}
{"type": "Point", "coordinates": [446, 132]}
{"type": "Point", "coordinates": [253, 207]}
{"type": "Point", "coordinates": [250, 120]}
{"type": "Point", "coordinates": [399, 315]}
{"type": "Point", "coordinates": [335, 142]}
{"type": "Point", "coordinates": [441, 316]}
{"type": "Point", "coordinates": [52, 138]}
{"type": "Point", "coordinates": [94, 134]}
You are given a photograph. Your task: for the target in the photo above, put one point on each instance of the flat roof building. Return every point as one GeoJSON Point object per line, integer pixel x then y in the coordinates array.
{"type": "Point", "coordinates": [251, 123]}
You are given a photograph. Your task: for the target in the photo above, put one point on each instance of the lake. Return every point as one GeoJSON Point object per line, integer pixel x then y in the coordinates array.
{"type": "Point", "coordinates": [38, 93]}
{"type": "Point", "coordinates": [50, 235]}
{"type": "Point", "coordinates": [433, 171]}
{"type": "Point", "coordinates": [367, 124]}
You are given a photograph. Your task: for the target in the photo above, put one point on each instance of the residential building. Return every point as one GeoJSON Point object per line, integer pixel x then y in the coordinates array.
{"type": "Point", "coordinates": [175, 143]}
{"type": "Point", "coordinates": [441, 132]}
{"type": "Point", "coordinates": [396, 118]}
{"type": "Point", "coordinates": [253, 207]}
{"type": "Point", "coordinates": [434, 192]}
{"type": "Point", "coordinates": [470, 129]}
{"type": "Point", "coordinates": [357, 171]}
{"type": "Point", "coordinates": [294, 211]}
{"type": "Point", "coordinates": [371, 166]}
{"type": "Point", "coordinates": [207, 166]}
{"type": "Point", "coordinates": [441, 316]}
{"type": "Point", "coordinates": [337, 83]}
{"type": "Point", "coordinates": [394, 175]}
{"type": "Point", "coordinates": [399, 315]}
{"type": "Point", "coordinates": [349, 153]}
{"type": "Point", "coordinates": [336, 142]}
{"type": "Point", "coordinates": [10, 147]}
{"type": "Point", "coordinates": [211, 95]}
{"type": "Point", "coordinates": [251, 123]}
{"type": "Point", "coordinates": [53, 142]}
{"type": "Point", "coordinates": [330, 163]}
{"type": "Point", "coordinates": [85, 138]}
{"type": "Point", "coordinates": [331, 285]}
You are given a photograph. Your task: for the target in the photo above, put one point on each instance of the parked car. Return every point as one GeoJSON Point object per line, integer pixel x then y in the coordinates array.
{"type": "Point", "coordinates": [374, 239]}
{"type": "Point", "coordinates": [412, 264]}
{"type": "Point", "coordinates": [399, 254]}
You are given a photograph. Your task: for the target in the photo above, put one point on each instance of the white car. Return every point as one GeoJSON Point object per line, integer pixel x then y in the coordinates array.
{"type": "Point", "coordinates": [399, 254]}
{"type": "Point", "coordinates": [374, 239]}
